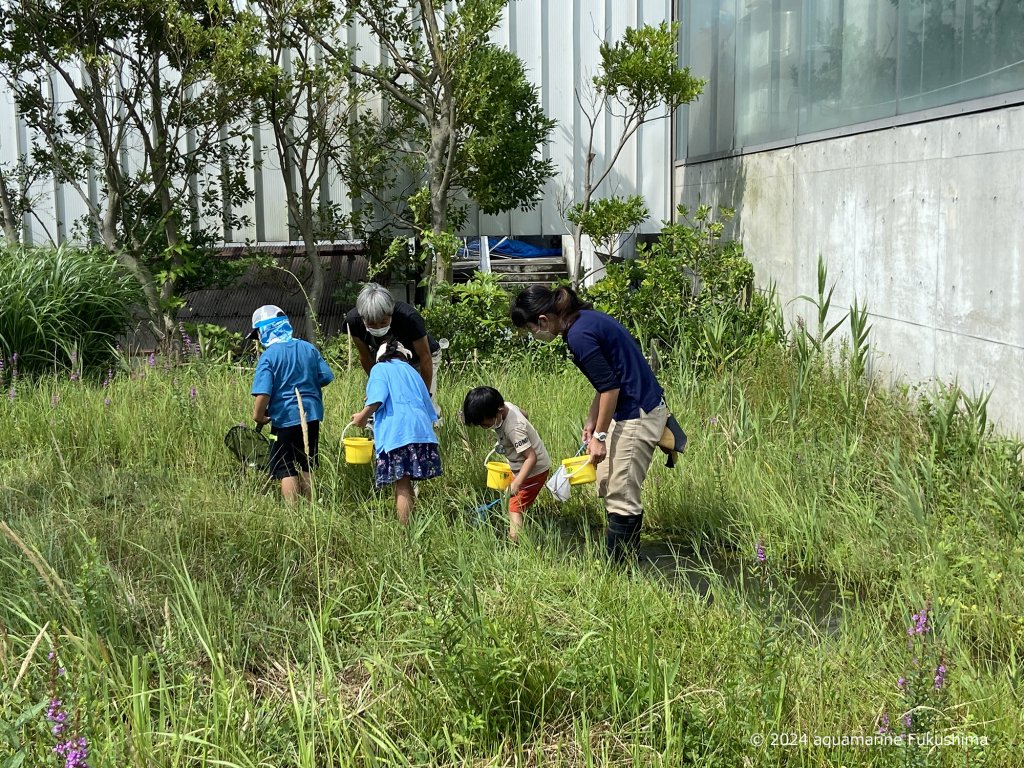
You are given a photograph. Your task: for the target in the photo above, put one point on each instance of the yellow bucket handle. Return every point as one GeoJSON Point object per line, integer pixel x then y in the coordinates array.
{"type": "Point", "coordinates": [350, 424]}
{"type": "Point", "coordinates": [488, 456]}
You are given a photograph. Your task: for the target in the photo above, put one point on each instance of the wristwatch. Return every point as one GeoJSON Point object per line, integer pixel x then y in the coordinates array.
{"type": "Point", "coordinates": [600, 436]}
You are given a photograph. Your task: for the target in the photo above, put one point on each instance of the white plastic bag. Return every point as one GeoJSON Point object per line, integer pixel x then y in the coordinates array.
{"type": "Point", "coordinates": [558, 484]}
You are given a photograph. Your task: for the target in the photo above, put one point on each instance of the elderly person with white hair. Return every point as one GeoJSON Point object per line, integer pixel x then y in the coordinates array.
{"type": "Point", "coordinates": [378, 318]}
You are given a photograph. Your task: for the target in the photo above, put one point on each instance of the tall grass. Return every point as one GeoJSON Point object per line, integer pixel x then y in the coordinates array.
{"type": "Point", "coordinates": [56, 303]}
{"type": "Point", "coordinates": [201, 622]}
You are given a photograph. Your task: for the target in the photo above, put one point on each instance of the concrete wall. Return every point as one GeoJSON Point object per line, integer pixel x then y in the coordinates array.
{"type": "Point", "coordinates": [558, 42]}
{"type": "Point", "coordinates": [923, 222]}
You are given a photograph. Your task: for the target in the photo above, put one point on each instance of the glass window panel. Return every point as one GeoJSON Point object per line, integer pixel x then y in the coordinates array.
{"type": "Point", "coordinates": [849, 67]}
{"type": "Point", "coordinates": [712, 56]}
{"type": "Point", "coordinates": [993, 60]}
{"type": "Point", "coordinates": [681, 124]}
{"type": "Point", "coordinates": [767, 70]}
{"type": "Point", "coordinates": [782, 68]}
{"type": "Point", "coordinates": [955, 50]}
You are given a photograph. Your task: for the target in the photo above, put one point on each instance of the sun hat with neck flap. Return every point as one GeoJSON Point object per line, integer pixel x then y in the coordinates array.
{"type": "Point", "coordinates": [271, 325]}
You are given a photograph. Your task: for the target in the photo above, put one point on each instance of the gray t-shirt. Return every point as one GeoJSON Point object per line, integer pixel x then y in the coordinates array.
{"type": "Point", "coordinates": [517, 436]}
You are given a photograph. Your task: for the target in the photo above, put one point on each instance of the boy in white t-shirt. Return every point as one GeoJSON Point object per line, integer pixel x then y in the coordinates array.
{"type": "Point", "coordinates": [520, 444]}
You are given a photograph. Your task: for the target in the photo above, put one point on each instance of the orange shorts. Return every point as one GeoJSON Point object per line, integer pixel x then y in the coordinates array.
{"type": "Point", "coordinates": [528, 493]}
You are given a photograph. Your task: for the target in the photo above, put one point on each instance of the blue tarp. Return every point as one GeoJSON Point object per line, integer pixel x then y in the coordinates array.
{"type": "Point", "coordinates": [515, 249]}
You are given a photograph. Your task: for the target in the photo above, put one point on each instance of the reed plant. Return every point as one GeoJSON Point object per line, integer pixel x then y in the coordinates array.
{"type": "Point", "coordinates": [61, 308]}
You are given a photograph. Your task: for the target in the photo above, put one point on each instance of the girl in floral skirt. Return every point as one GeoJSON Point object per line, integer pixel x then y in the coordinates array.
{"type": "Point", "coordinates": [403, 425]}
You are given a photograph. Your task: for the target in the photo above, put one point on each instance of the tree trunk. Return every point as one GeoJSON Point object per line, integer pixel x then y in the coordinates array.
{"type": "Point", "coordinates": [316, 288]}
{"type": "Point", "coordinates": [300, 207]}
{"type": "Point", "coordinates": [161, 178]}
{"type": "Point", "coordinates": [577, 256]}
{"type": "Point", "coordinates": [12, 227]}
{"type": "Point", "coordinates": [438, 225]}
{"type": "Point", "coordinates": [437, 156]}
{"type": "Point", "coordinates": [577, 232]}
{"type": "Point", "coordinates": [112, 243]}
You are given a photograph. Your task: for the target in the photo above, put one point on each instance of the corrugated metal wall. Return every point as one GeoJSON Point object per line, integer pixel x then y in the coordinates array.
{"type": "Point", "coordinates": [558, 41]}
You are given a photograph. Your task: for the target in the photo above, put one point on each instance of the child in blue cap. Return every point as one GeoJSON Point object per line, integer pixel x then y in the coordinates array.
{"type": "Point", "coordinates": [289, 368]}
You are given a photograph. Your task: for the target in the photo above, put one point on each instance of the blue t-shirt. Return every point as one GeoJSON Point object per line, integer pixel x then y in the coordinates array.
{"type": "Point", "coordinates": [611, 358]}
{"type": "Point", "coordinates": [282, 368]}
{"type": "Point", "coordinates": [406, 414]}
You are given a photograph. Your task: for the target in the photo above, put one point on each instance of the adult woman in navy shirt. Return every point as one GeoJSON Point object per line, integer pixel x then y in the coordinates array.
{"type": "Point", "coordinates": [627, 415]}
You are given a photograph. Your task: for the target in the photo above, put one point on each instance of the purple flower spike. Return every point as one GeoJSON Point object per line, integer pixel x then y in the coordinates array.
{"type": "Point", "coordinates": [151, 360]}
{"type": "Point", "coordinates": [902, 683]}
{"type": "Point", "coordinates": [106, 401]}
{"type": "Point", "coordinates": [885, 724]}
{"type": "Point", "coordinates": [940, 676]}
{"type": "Point", "coordinates": [75, 750]}
{"type": "Point", "coordinates": [761, 555]}
{"type": "Point", "coordinates": [907, 721]}
{"type": "Point", "coordinates": [920, 624]}
{"type": "Point", "coordinates": [193, 393]}
{"type": "Point", "coordinates": [75, 753]}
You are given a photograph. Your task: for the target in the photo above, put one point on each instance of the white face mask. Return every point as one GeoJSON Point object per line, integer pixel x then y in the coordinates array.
{"type": "Point", "coordinates": [497, 425]}
{"type": "Point", "coordinates": [378, 332]}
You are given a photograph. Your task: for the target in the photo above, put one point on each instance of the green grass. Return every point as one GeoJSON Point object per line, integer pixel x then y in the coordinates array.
{"type": "Point", "coordinates": [201, 622]}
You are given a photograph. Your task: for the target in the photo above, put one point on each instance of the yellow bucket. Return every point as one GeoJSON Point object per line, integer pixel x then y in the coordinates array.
{"type": "Point", "coordinates": [499, 475]}
{"type": "Point", "coordinates": [358, 450]}
{"type": "Point", "coordinates": [579, 470]}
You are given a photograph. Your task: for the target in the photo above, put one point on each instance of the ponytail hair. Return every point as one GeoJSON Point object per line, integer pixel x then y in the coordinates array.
{"type": "Point", "coordinates": [537, 300]}
{"type": "Point", "coordinates": [393, 350]}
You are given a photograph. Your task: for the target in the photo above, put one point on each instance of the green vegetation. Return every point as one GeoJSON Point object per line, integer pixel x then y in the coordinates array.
{"type": "Point", "coordinates": [693, 292]}
{"type": "Point", "coordinates": [61, 307]}
{"type": "Point", "coordinates": [200, 622]}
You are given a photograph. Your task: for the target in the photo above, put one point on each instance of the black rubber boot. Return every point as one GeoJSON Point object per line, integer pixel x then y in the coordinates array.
{"type": "Point", "coordinates": [622, 537]}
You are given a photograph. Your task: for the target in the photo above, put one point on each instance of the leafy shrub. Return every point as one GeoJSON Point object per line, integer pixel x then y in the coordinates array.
{"type": "Point", "coordinates": [691, 292]}
{"type": "Point", "coordinates": [473, 316]}
{"type": "Point", "coordinates": [603, 219]}
{"type": "Point", "coordinates": [215, 343]}
{"type": "Point", "coordinates": [60, 302]}
{"type": "Point", "coordinates": [691, 289]}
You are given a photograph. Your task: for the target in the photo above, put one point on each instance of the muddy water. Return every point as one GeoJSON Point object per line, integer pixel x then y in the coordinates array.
{"type": "Point", "coordinates": [810, 598]}
{"type": "Point", "coordinates": [815, 602]}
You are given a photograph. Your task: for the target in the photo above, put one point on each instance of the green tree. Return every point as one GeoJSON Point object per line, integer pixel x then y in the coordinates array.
{"type": "Point", "coordinates": [306, 99]}
{"type": "Point", "coordinates": [137, 95]}
{"type": "Point", "coordinates": [639, 80]}
{"type": "Point", "coordinates": [15, 198]}
{"type": "Point", "coordinates": [457, 116]}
